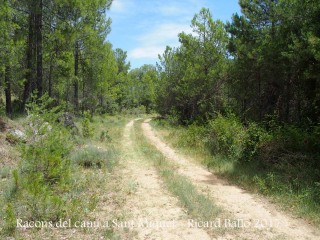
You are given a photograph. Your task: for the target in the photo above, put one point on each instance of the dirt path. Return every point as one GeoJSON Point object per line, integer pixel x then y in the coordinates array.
{"type": "Point", "coordinates": [153, 212]}
{"type": "Point", "coordinates": [256, 218]}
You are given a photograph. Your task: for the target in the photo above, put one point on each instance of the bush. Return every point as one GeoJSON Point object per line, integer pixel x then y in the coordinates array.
{"type": "Point", "coordinates": [5, 172]}
{"type": "Point", "coordinates": [92, 157]}
{"type": "Point", "coordinates": [87, 129]}
{"type": "Point", "coordinates": [48, 143]}
{"type": "Point", "coordinates": [39, 184]}
{"type": "Point", "coordinates": [104, 135]}
{"type": "Point", "coordinates": [255, 136]}
{"type": "Point", "coordinates": [227, 136]}
{"type": "Point", "coordinates": [194, 136]}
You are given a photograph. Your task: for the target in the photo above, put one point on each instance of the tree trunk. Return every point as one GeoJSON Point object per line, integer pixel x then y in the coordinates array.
{"type": "Point", "coordinates": [50, 78]}
{"type": "Point", "coordinates": [38, 30]}
{"type": "Point", "coordinates": [7, 78]}
{"type": "Point", "coordinates": [29, 84]}
{"type": "Point", "coordinates": [76, 83]}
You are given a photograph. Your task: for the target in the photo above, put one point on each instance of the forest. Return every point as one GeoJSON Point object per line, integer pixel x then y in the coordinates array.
{"type": "Point", "coordinates": [247, 92]}
{"type": "Point", "coordinates": [59, 48]}
{"type": "Point", "coordinates": [260, 66]}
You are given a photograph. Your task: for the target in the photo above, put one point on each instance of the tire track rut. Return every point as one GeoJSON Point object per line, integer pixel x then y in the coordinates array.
{"type": "Point", "coordinates": [153, 212]}
{"type": "Point", "coordinates": [256, 218]}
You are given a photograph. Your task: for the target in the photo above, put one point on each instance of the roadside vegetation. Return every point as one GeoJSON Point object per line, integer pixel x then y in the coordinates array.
{"type": "Point", "coordinates": [280, 163]}
{"type": "Point", "coordinates": [60, 174]}
{"type": "Point", "coordinates": [245, 95]}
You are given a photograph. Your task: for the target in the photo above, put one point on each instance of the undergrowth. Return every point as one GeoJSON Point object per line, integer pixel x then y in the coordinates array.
{"type": "Point", "coordinates": [93, 157]}
{"type": "Point", "coordinates": [52, 180]}
{"type": "Point", "coordinates": [282, 163]}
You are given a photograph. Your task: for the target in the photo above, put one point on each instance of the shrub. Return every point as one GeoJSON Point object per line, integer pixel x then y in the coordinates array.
{"type": "Point", "coordinates": [254, 137]}
{"type": "Point", "coordinates": [104, 135]}
{"type": "Point", "coordinates": [92, 157]}
{"type": "Point", "coordinates": [194, 136]}
{"type": "Point", "coordinates": [87, 129]}
{"type": "Point", "coordinates": [48, 143]}
{"type": "Point", "coordinates": [5, 172]}
{"type": "Point", "coordinates": [139, 110]}
{"type": "Point", "coordinates": [10, 220]}
{"type": "Point", "coordinates": [227, 136]}
{"type": "Point", "coordinates": [42, 177]}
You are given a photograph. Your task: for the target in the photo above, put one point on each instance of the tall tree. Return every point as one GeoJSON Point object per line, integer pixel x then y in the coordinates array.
{"type": "Point", "coordinates": [198, 67]}
{"type": "Point", "coordinates": [121, 57]}
{"type": "Point", "coordinates": [271, 45]}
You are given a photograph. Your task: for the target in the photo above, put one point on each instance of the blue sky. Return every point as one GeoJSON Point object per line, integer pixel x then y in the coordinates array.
{"type": "Point", "coordinates": [144, 28]}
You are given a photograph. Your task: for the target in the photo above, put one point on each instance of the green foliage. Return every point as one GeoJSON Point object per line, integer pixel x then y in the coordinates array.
{"type": "Point", "coordinates": [198, 205]}
{"type": "Point", "coordinates": [254, 139]}
{"type": "Point", "coordinates": [87, 129]}
{"type": "Point", "coordinates": [48, 143]}
{"type": "Point", "coordinates": [135, 110]}
{"type": "Point", "coordinates": [273, 46]}
{"type": "Point", "coordinates": [227, 136]}
{"type": "Point", "coordinates": [194, 136]}
{"type": "Point", "coordinates": [11, 138]}
{"type": "Point", "coordinates": [282, 163]}
{"type": "Point", "coordinates": [2, 108]}
{"type": "Point", "coordinates": [192, 77]}
{"type": "Point", "coordinates": [104, 135]}
{"type": "Point", "coordinates": [5, 172]}
{"type": "Point", "coordinates": [92, 157]}
{"type": "Point", "coordinates": [44, 171]}
{"type": "Point", "coordinates": [10, 220]}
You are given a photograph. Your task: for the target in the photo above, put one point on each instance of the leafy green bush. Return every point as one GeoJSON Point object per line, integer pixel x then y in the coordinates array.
{"type": "Point", "coordinates": [42, 178]}
{"type": "Point", "coordinates": [92, 157]}
{"type": "Point", "coordinates": [255, 136]}
{"type": "Point", "coordinates": [87, 129]}
{"type": "Point", "coordinates": [10, 220]}
{"type": "Point", "coordinates": [194, 136]}
{"type": "Point", "coordinates": [11, 138]}
{"type": "Point", "coordinates": [48, 143]}
{"type": "Point", "coordinates": [227, 136]}
{"type": "Point", "coordinates": [2, 108]}
{"type": "Point", "coordinates": [104, 135]}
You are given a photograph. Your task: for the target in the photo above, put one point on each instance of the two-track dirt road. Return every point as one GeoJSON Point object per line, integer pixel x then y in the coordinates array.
{"type": "Point", "coordinates": [157, 214]}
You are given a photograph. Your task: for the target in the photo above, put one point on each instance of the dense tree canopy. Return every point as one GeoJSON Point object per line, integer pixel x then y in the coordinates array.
{"type": "Point", "coordinates": [57, 47]}
{"type": "Point", "coordinates": [262, 65]}
{"type": "Point", "coordinates": [193, 75]}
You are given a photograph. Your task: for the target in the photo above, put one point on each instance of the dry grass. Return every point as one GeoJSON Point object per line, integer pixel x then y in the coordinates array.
{"type": "Point", "coordinates": [9, 155]}
{"type": "Point", "coordinates": [96, 190]}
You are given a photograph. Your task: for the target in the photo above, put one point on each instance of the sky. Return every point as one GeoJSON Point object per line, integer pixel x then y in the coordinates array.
{"type": "Point", "coordinates": [144, 28]}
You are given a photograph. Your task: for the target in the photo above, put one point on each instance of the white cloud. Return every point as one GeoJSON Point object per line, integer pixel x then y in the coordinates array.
{"type": "Point", "coordinates": [155, 24]}
{"type": "Point", "coordinates": [154, 42]}
{"type": "Point", "coordinates": [164, 33]}
{"type": "Point", "coordinates": [150, 52]}
{"type": "Point", "coordinates": [173, 10]}
{"type": "Point", "coordinates": [121, 6]}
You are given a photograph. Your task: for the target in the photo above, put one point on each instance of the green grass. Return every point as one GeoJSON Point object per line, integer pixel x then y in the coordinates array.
{"type": "Point", "coordinates": [198, 205]}
{"type": "Point", "coordinates": [293, 187]}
